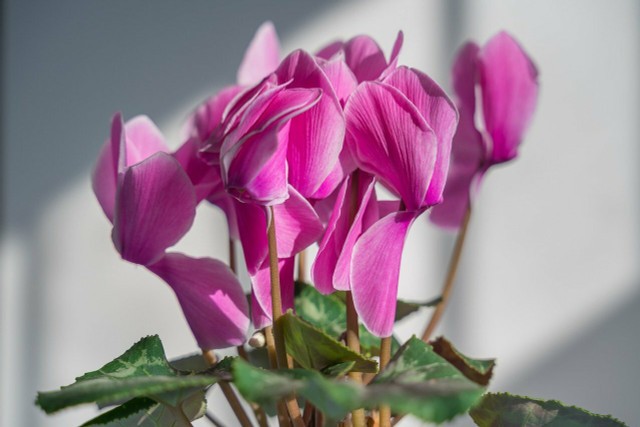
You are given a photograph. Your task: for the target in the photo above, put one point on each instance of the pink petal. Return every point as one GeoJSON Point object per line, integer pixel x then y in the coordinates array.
{"type": "Point", "coordinates": [254, 154]}
{"type": "Point", "coordinates": [395, 52]}
{"type": "Point", "coordinates": [346, 164]}
{"type": "Point", "coordinates": [451, 212]}
{"type": "Point", "coordinates": [509, 83]}
{"type": "Point", "coordinates": [340, 76]}
{"type": "Point", "coordinates": [211, 298]}
{"type": "Point", "coordinates": [331, 50]}
{"type": "Point", "coordinates": [252, 227]}
{"type": "Point", "coordinates": [261, 285]}
{"type": "Point", "coordinates": [365, 215]}
{"type": "Point", "coordinates": [375, 271]}
{"type": "Point", "coordinates": [261, 57]}
{"type": "Point", "coordinates": [329, 249]}
{"type": "Point", "coordinates": [204, 177]}
{"type": "Point", "coordinates": [258, 316]}
{"type": "Point", "coordinates": [365, 58]}
{"type": "Point", "coordinates": [390, 138]}
{"type": "Point", "coordinates": [316, 136]}
{"type": "Point", "coordinates": [128, 145]}
{"type": "Point", "coordinates": [439, 112]}
{"type": "Point", "coordinates": [155, 207]}
{"type": "Point", "coordinates": [297, 225]}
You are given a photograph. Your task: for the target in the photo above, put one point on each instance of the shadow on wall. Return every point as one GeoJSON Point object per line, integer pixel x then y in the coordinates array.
{"type": "Point", "coordinates": [600, 355]}
{"type": "Point", "coordinates": [88, 59]}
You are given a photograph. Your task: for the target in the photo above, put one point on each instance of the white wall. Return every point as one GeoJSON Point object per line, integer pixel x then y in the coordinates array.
{"type": "Point", "coordinates": [550, 278]}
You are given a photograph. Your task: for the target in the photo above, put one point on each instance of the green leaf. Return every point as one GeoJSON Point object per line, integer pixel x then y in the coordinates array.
{"type": "Point", "coordinates": [339, 369]}
{"type": "Point", "coordinates": [314, 349]}
{"type": "Point", "coordinates": [505, 410]}
{"type": "Point", "coordinates": [405, 308]}
{"type": "Point", "coordinates": [142, 371]}
{"type": "Point", "coordinates": [329, 314]}
{"type": "Point", "coordinates": [477, 370]}
{"type": "Point", "coordinates": [417, 381]}
{"type": "Point", "coordinates": [144, 412]}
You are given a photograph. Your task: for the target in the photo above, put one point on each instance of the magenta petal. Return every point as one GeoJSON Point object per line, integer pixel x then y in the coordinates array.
{"type": "Point", "coordinates": [509, 83]}
{"type": "Point", "coordinates": [258, 316]}
{"type": "Point", "coordinates": [297, 225]}
{"type": "Point", "coordinates": [143, 139]}
{"type": "Point", "coordinates": [331, 244]}
{"type": "Point", "coordinates": [211, 298]}
{"type": "Point", "coordinates": [331, 50]}
{"type": "Point", "coordinates": [390, 138]}
{"type": "Point", "coordinates": [316, 137]}
{"type": "Point", "coordinates": [104, 179]}
{"type": "Point", "coordinates": [261, 57]}
{"type": "Point", "coordinates": [254, 154]}
{"type": "Point", "coordinates": [451, 212]}
{"type": "Point", "coordinates": [341, 78]}
{"type": "Point", "coordinates": [365, 58]}
{"type": "Point", "coordinates": [365, 216]}
{"type": "Point", "coordinates": [261, 283]}
{"type": "Point", "coordinates": [439, 112]}
{"type": "Point", "coordinates": [204, 177]}
{"type": "Point", "coordinates": [252, 227]}
{"type": "Point", "coordinates": [346, 164]}
{"type": "Point", "coordinates": [395, 52]}
{"type": "Point", "coordinates": [375, 271]}
{"type": "Point", "coordinates": [155, 207]}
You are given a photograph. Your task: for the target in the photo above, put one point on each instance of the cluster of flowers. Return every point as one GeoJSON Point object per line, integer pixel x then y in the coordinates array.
{"type": "Point", "coordinates": [303, 141]}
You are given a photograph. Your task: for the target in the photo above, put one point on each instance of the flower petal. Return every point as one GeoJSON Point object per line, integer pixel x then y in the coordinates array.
{"type": "Point", "coordinates": [375, 271]}
{"type": "Point", "coordinates": [261, 57]}
{"type": "Point", "coordinates": [155, 207]}
{"type": "Point", "coordinates": [329, 249]}
{"type": "Point", "coordinates": [365, 58]}
{"type": "Point", "coordinates": [316, 136]}
{"type": "Point", "coordinates": [254, 154]}
{"type": "Point", "coordinates": [509, 83]}
{"type": "Point", "coordinates": [204, 177]}
{"type": "Point", "coordinates": [391, 139]}
{"type": "Point", "coordinates": [439, 112]}
{"type": "Point", "coordinates": [211, 298]}
{"type": "Point", "coordinates": [340, 76]}
{"type": "Point", "coordinates": [143, 139]}
{"type": "Point", "coordinates": [252, 227]}
{"type": "Point", "coordinates": [261, 284]}
{"type": "Point", "coordinates": [297, 225]}
{"type": "Point", "coordinates": [366, 214]}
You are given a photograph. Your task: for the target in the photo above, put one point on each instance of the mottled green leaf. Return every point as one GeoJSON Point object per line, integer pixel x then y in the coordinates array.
{"type": "Point", "coordinates": [144, 412]}
{"type": "Point", "coordinates": [405, 308]}
{"type": "Point", "coordinates": [329, 313]}
{"type": "Point", "coordinates": [314, 349]}
{"type": "Point", "coordinates": [417, 381]}
{"type": "Point", "coordinates": [142, 371]}
{"type": "Point", "coordinates": [505, 410]}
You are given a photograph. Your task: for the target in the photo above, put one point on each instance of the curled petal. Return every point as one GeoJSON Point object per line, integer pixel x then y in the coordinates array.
{"type": "Point", "coordinates": [297, 225]}
{"type": "Point", "coordinates": [509, 83]}
{"type": "Point", "coordinates": [254, 154]}
{"type": "Point", "coordinates": [366, 214]}
{"type": "Point", "coordinates": [341, 77]}
{"type": "Point", "coordinates": [143, 139]}
{"type": "Point", "coordinates": [390, 138]}
{"type": "Point", "coordinates": [155, 207]}
{"type": "Point", "coordinates": [204, 177]}
{"type": "Point", "coordinates": [375, 271]}
{"type": "Point", "coordinates": [365, 58]}
{"type": "Point", "coordinates": [346, 164]}
{"type": "Point", "coordinates": [261, 57]}
{"type": "Point", "coordinates": [211, 298]}
{"type": "Point", "coordinates": [331, 50]}
{"type": "Point", "coordinates": [252, 227]}
{"type": "Point", "coordinates": [261, 284]}
{"type": "Point", "coordinates": [331, 244]}
{"type": "Point", "coordinates": [316, 136]}
{"type": "Point", "coordinates": [439, 112]}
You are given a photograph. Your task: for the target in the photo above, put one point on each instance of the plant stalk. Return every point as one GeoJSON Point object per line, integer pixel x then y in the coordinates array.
{"type": "Point", "coordinates": [276, 312]}
{"type": "Point", "coordinates": [385, 356]}
{"type": "Point", "coordinates": [228, 392]}
{"type": "Point", "coordinates": [450, 278]}
{"type": "Point", "coordinates": [302, 266]}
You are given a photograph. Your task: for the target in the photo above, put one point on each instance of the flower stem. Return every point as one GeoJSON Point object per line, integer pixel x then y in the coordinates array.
{"type": "Point", "coordinates": [228, 392]}
{"type": "Point", "coordinates": [302, 266]}
{"type": "Point", "coordinates": [449, 280]}
{"type": "Point", "coordinates": [276, 312]}
{"type": "Point", "coordinates": [385, 356]}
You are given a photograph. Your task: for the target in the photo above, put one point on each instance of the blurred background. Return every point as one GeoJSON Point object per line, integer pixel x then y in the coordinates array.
{"type": "Point", "coordinates": [550, 279]}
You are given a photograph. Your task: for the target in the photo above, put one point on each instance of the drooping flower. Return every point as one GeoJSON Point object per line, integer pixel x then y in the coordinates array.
{"type": "Point", "coordinates": [399, 129]}
{"type": "Point", "coordinates": [151, 202]}
{"type": "Point", "coordinates": [507, 82]}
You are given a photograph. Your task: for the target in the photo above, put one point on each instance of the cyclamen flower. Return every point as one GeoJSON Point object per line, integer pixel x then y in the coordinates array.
{"type": "Point", "coordinates": [151, 202]}
{"type": "Point", "coordinates": [399, 130]}
{"type": "Point", "coordinates": [508, 86]}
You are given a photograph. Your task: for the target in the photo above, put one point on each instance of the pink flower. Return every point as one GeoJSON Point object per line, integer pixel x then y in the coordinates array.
{"type": "Point", "coordinates": [399, 130]}
{"type": "Point", "coordinates": [508, 85]}
{"type": "Point", "coordinates": [151, 202]}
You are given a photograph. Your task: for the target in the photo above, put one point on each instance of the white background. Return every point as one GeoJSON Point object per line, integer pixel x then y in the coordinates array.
{"type": "Point", "coordinates": [549, 281]}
